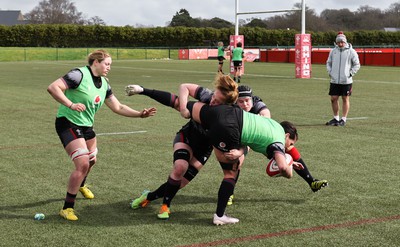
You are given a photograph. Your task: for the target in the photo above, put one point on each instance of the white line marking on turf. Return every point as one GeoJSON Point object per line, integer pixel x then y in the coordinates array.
{"type": "Point", "coordinates": [121, 133]}
{"type": "Point", "coordinates": [357, 118]}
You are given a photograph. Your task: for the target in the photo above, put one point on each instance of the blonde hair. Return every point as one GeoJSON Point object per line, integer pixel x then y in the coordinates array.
{"type": "Point", "coordinates": [98, 55]}
{"type": "Point", "coordinates": [220, 43]}
{"type": "Point", "coordinates": [228, 87]}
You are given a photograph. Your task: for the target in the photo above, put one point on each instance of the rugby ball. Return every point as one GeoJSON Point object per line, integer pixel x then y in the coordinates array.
{"type": "Point", "coordinates": [272, 168]}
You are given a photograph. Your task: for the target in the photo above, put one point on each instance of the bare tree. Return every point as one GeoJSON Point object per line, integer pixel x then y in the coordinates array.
{"type": "Point", "coordinates": [292, 20]}
{"type": "Point", "coordinates": [368, 17]}
{"type": "Point", "coordinates": [95, 20]}
{"type": "Point", "coordinates": [392, 15]}
{"type": "Point", "coordinates": [339, 19]}
{"type": "Point", "coordinates": [59, 12]}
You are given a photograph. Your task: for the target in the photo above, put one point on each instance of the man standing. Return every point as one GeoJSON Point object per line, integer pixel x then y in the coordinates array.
{"type": "Point", "coordinates": [342, 65]}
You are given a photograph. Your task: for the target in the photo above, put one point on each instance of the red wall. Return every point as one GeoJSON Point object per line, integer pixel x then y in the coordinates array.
{"type": "Point", "coordinates": [368, 56]}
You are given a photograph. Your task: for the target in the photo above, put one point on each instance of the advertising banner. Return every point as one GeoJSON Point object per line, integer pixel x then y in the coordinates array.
{"type": "Point", "coordinates": [303, 55]}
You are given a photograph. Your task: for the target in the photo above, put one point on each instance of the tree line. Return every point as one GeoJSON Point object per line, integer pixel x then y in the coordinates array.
{"type": "Point", "coordinates": [364, 18]}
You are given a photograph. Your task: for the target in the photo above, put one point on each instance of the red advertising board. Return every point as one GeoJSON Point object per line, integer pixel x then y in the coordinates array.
{"type": "Point", "coordinates": [198, 54]}
{"type": "Point", "coordinates": [183, 54]}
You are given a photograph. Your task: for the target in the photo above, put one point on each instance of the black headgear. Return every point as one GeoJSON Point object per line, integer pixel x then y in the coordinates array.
{"type": "Point", "coordinates": [245, 91]}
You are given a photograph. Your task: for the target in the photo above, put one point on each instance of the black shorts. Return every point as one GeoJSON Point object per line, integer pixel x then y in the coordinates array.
{"type": "Point", "coordinates": [67, 131]}
{"type": "Point", "coordinates": [197, 140]}
{"type": "Point", "coordinates": [340, 89]}
{"type": "Point", "coordinates": [224, 124]}
{"type": "Point", "coordinates": [237, 63]}
{"type": "Point", "coordinates": [221, 59]}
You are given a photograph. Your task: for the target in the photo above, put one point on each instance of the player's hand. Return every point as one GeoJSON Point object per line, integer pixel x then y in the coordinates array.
{"type": "Point", "coordinates": [185, 113]}
{"type": "Point", "coordinates": [148, 112]}
{"type": "Point", "coordinates": [233, 154]}
{"type": "Point", "coordinates": [78, 107]}
{"type": "Point", "coordinates": [297, 165]}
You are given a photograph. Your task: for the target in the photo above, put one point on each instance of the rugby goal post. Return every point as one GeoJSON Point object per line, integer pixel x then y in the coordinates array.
{"type": "Point", "coordinates": [302, 40]}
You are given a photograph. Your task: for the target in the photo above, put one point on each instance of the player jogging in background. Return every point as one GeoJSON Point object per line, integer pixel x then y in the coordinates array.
{"type": "Point", "coordinates": [237, 59]}
{"type": "Point", "coordinates": [221, 56]}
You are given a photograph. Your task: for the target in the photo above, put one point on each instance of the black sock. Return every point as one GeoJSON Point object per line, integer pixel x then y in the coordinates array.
{"type": "Point", "coordinates": [171, 189]}
{"type": "Point", "coordinates": [163, 97]}
{"type": "Point", "coordinates": [158, 193]}
{"type": "Point", "coordinates": [225, 191]}
{"type": "Point", "coordinates": [305, 174]}
{"type": "Point", "coordinates": [69, 201]}
{"type": "Point", "coordinates": [237, 176]}
{"type": "Point", "coordinates": [83, 182]}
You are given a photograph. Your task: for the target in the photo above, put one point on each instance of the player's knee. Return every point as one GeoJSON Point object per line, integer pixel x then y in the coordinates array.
{"type": "Point", "coordinates": [191, 173]}
{"type": "Point", "coordinates": [181, 154]}
{"type": "Point", "coordinates": [93, 157]}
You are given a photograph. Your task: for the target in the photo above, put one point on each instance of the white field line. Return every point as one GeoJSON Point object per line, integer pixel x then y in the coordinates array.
{"type": "Point", "coordinates": [121, 133]}
{"type": "Point", "coordinates": [291, 76]}
{"type": "Point", "coordinates": [357, 118]}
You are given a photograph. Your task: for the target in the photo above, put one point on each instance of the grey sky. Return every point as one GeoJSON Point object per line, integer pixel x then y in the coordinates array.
{"type": "Point", "coordinates": [159, 12]}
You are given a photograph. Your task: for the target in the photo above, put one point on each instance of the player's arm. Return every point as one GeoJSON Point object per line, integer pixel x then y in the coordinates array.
{"type": "Point", "coordinates": [57, 88]}
{"type": "Point", "coordinates": [113, 103]}
{"type": "Point", "coordinates": [193, 109]}
{"type": "Point", "coordinates": [285, 169]}
{"type": "Point", "coordinates": [276, 151]}
{"type": "Point", "coordinates": [186, 90]}
{"type": "Point", "coordinates": [265, 113]}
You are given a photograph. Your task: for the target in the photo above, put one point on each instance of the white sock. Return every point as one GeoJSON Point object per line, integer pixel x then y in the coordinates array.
{"type": "Point", "coordinates": [344, 119]}
{"type": "Point", "coordinates": [336, 117]}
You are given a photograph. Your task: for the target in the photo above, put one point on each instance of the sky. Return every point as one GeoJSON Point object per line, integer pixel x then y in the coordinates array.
{"type": "Point", "coordinates": [153, 13]}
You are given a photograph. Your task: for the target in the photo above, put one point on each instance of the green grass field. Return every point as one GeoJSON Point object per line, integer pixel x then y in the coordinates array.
{"type": "Point", "coordinates": [360, 161]}
{"type": "Point", "coordinates": [12, 54]}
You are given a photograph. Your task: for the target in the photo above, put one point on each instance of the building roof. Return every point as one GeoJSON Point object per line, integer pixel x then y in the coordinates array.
{"type": "Point", "coordinates": [391, 29]}
{"type": "Point", "coordinates": [11, 17]}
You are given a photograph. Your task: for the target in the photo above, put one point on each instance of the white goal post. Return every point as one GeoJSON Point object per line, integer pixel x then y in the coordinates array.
{"type": "Point", "coordinates": [303, 15]}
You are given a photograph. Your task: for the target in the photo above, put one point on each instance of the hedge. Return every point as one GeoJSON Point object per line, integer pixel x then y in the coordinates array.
{"type": "Point", "coordinates": [70, 36]}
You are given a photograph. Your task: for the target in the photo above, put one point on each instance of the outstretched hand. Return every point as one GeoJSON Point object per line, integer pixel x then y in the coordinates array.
{"type": "Point", "coordinates": [148, 112]}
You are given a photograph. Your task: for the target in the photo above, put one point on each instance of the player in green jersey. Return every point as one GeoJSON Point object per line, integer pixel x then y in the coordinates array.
{"type": "Point", "coordinates": [237, 59]}
{"type": "Point", "coordinates": [221, 56]}
{"type": "Point", "coordinates": [230, 128]}
{"type": "Point", "coordinates": [81, 93]}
